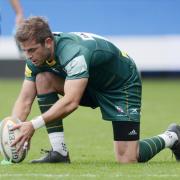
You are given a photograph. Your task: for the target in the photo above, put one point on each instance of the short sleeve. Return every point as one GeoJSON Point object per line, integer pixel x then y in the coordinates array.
{"type": "Point", "coordinates": [29, 73]}
{"type": "Point", "coordinates": [77, 68]}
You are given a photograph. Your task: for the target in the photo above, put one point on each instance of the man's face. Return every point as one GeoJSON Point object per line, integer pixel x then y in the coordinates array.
{"type": "Point", "coordinates": [38, 53]}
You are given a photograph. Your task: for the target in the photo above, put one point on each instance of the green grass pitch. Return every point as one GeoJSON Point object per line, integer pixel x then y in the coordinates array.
{"type": "Point", "coordinates": [89, 139]}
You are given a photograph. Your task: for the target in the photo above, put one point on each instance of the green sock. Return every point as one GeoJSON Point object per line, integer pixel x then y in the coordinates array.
{"type": "Point", "coordinates": [45, 102]}
{"type": "Point", "coordinates": [55, 129]}
{"type": "Point", "coordinates": [148, 148]}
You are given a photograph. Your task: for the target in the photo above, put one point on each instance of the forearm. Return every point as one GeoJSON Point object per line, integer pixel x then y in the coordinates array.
{"type": "Point", "coordinates": [67, 104]}
{"type": "Point", "coordinates": [21, 110]}
{"type": "Point", "coordinates": [60, 109]}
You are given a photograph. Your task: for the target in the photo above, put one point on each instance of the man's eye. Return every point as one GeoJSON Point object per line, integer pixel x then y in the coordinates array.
{"type": "Point", "coordinates": [32, 50]}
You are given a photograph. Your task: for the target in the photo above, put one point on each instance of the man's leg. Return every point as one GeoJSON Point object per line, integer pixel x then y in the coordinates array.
{"type": "Point", "coordinates": [126, 136]}
{"type": "Point", "coordinates": [126, 151]}
{"type": "Point", "coordinates": [138, 151]}
{"type": "Point", "coordinates": [47, 86]}
{"type": "Point", "coordinates": [129, 150]}
{"type": "Point", "coordinates": [169, 139]}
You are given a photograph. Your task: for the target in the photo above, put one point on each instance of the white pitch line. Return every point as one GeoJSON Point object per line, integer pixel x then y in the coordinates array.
{"type": "Point", "coordinates": [34, 175]}
{"type": "Point", "coordinates": [87, 175]}
{"type": "Point", "coordinates": [46, 175]}
{"type": "Point", "coordinates": [149, 175]}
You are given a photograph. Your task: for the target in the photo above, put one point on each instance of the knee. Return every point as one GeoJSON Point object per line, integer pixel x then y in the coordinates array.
{"type": "Point", "coordinates": [126, 152]}
{"type": "Point", "coordinates": [44, 83]}
{"type": "Point", "coordinates": [126, 158]}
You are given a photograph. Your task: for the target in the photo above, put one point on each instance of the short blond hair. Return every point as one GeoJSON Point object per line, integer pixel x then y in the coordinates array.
{"type": "Point", "coordinates": [34, 28]}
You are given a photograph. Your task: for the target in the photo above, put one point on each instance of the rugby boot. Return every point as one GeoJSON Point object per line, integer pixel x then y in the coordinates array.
{"type": "Point", "coordinates": [176, 147]}
{"type": "Point", "coordinates": [52, 157]}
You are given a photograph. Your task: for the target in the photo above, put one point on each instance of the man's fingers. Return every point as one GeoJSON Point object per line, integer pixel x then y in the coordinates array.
{"type": "Point", "coordinates": [26, 146]}
{"type": "Point", "coordinates": [16, 126]}
{"type": "Point", "coordinates": [21, 143]}
{"type": "Point", "coordinates": [17, 140]}
{"type": "Point", "coordinates": [29, 144]}
{"type": "Point", "coordinates": [26, 132]}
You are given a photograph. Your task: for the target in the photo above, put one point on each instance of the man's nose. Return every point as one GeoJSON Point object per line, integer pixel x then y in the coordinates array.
{"type": "Point", "coordinates": [28, 55]}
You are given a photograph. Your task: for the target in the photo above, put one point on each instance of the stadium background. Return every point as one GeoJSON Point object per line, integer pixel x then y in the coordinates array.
{"type": "Point", "coordinates": [147, 29]}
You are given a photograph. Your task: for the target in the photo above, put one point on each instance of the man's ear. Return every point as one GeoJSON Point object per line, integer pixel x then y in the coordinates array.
{"type": "Point", "coordinates": [48, 42]}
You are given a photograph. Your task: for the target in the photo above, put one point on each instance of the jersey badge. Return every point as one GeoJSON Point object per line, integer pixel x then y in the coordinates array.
{"type": "Point", "coordinates": [124, 54]}
{"type": "Point", "coordinates": [51, 63]}
{"type": "Point", "coordinates": [28, 72]}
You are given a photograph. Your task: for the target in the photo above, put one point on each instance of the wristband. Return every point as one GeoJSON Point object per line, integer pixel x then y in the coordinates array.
{"type": "Point", "coordinates": [38, 122]}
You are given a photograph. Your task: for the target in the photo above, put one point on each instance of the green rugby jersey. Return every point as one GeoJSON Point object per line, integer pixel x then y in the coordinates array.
{"type": "Point", "coordinates": [113, 80]}
{"type": "Point", "coordinates": [79, 55]}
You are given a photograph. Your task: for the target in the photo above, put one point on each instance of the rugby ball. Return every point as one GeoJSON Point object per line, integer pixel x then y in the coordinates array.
{"type": "Point", "coordinates": [7, 137]}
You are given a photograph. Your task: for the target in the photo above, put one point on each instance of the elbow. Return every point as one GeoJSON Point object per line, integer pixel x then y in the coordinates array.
{"type": "Point", "coordinates": [70, 104]}
{"type": "Point", "coordinates": [74, 105]}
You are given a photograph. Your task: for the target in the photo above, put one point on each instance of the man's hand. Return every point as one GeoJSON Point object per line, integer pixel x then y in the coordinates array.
{"type": "Point", "coordinates": [26, 132]}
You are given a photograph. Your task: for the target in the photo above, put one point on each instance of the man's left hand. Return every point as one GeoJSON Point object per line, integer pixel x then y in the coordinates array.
{"type": "Point", "coordinates": [26, 132]}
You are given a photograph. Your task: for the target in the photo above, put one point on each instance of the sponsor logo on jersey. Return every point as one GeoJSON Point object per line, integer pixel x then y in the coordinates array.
{"type": "Point", "coordinates": [89, 36]}
{"type": "Point", "coordinates": [133, 111]}
{"type": "Point", "coordinates": [124, 54]}
{"type": "Point", "coordinates": [55, 70]}
{"type": "Point", "coordinates": [28, 72]}
{"type": "Point", "coordinates": [119, 109]}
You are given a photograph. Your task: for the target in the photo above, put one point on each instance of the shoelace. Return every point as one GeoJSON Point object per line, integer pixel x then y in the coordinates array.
{"type": "Point", "coordinates": [47, 152]}
{"type": "Point", "coordinates": [44, 151]}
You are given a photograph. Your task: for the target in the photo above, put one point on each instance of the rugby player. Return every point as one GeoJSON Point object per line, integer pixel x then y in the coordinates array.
{"type": "Point", "coordinates": [88, 70]}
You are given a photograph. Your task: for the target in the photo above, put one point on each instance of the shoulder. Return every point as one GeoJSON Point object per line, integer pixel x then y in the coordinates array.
{"type": "Point", "coordinates": [67, 49]}
{"type": "Point", "coordinates": [69, 52]}
{"type": "Point", "coordinates": [30, 66]}
{"type": "Point", "coordinates": [30, 69]}
{"type": "Point", "coordinates": [69, 46]}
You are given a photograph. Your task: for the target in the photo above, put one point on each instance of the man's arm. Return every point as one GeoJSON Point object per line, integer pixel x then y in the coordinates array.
{"type": "Point", "coordinates": [24, 101]}
{"type": "Point", "coordinates": [73, 91]}
{"type": "Point", "coordinates": [18, 10]}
